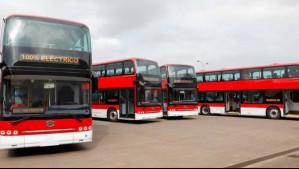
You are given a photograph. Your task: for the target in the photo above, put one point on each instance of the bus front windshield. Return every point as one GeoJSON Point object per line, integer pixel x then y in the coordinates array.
{"type": "Point", "coordinates": [36, 33]}
{"type": "Point", "coordinates": [45, 95]}
{"type": "Point", "coordinates": [181, 72]}
{"type": "Point", "coordinates": [183, 96]}
{"type": "Point", "coordinates": [145, 67]}
{"type": "Point", "coordinates": [149, 96]}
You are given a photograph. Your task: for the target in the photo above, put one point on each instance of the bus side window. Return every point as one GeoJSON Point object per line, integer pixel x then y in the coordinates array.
{"type": "Point", "coordinates": [129, 68]}
{"type": "Point", "coordinates": [293, 71]}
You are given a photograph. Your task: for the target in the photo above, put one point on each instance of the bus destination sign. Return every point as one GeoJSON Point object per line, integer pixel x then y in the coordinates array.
{"type": "Point", "coordinates": [49, 59]}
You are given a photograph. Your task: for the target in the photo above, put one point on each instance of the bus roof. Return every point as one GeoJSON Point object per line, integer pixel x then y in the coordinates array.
{"type": "Point", "coordinates": [46, 18]}
{"type": "Point", "coordinates": [166, 65]}
{"type": "Point", "coordinates": [252, 67]}
{"type": "Point", "coordinates": [133, 59]}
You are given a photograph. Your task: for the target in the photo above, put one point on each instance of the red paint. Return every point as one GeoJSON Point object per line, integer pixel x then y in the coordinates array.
{"type": "Point", "coordinates": [124, 81]}
{"type": "Point", "coordinates": [39, 125]}
{"type": "Point", "coordinates": [212, 104]}
{"type": "Point", "coordinates": [183, 107]}
{"type": "Point", "coordinates": [261, 105]}
{"type": "Point", "coordinates": [138, 110]}
{"type": "Point", "coordinates": [261, 84]}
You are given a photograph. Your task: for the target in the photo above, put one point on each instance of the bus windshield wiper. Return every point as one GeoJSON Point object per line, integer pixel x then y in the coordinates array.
{"type": "Point", "coordinates": [20, 120]}
{"type": "Point", "coordinates": [77, 118]}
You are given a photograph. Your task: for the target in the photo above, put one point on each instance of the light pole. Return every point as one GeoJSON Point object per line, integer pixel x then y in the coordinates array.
{"type": "Point", "coordinates": [202, 64]}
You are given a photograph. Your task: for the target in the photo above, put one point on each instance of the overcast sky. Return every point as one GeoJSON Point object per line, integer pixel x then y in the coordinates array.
{"type": "Point", "coordinates": [223, 33]}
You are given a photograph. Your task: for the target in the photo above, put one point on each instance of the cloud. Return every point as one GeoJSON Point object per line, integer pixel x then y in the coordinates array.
{"type": "Point", "coordinates": [227, 33]}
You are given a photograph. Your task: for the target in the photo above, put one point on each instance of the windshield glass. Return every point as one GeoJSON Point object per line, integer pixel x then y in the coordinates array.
{"type": "Point", "coordinates": [181, 72]}
{"type": "Point", "coordinates": [145, 67]}
{"type": "Point", "coordinates": [38, 94]}
{"type": "Point", "coordinates": [183, 96]}
{"type": "Point", "coordinates": [36, 33]}
{"type": "Point", "coordinates": [149, 96]}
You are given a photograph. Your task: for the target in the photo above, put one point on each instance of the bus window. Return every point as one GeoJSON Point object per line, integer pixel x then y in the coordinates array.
{"type": "Point", "coordinates": [273, 96]}
{"type": "Point", "coordinates": [293, 71]}
{"type": "Point", "coordinates": [99, 97]}
{"type": "Point", "coordinates": [253, 97]}
{"type": "Point", "coordinates": [276, 72]}
{"type": "Point", "coordinates": [212, 77]}
{"type": "Point", "coordinates": [201, 96]}
{"type": "Point", "coordinates": [163, 72]}
{"type": "Point", "coordinates": [256, 74]}
{"type": "Point", "coordinates": [129, 68]}
{"type": "Point", "coordinates": [99, 70]}
{"type": "Point", "coordinates": [199, 77]}
{"type": "Point", "coordinates": [229, 76]}
{"type": "Point", "coordinates": [114, 69]}
{"type": "Point", "coordinates": [112, 96]}
{"type": "Point", "coordinates": [214, 97]}
{"type": "Point", "coordinates": [252, 74]}
{"type": "Point", "coordinates": [295, 96]}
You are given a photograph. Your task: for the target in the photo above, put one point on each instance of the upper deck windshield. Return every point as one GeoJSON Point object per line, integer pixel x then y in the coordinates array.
{"type": "Point", "coordinates": [146, 67]}
{"type": "Point", "coordinates": [39, 33]}
{"type": "Point", "coordinates": [181, 72]}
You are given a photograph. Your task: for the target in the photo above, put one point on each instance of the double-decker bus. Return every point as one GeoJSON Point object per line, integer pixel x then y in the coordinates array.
{"type": "Point", "coordinates": [128, 89]}
{"type": "Point", "coordinates": [179, 90]}
{"type": "Point", "coordinates": [45, 82]}
{"type": "Point", "coordinates": [271, 91]}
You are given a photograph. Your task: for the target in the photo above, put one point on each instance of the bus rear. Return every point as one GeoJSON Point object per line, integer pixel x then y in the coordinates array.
{"type": "Point", "coordinates": [45, 83]}
{"type": "Point", "coordinates": [179, 90]}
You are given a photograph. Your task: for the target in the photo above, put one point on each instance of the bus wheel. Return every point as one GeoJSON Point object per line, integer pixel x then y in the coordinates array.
{"type": "Point", "coordinates": [112, 115]}
{"type": "Point", "coordinates": [273, 113]}
{"type": "Point", "coordinates": [205, 110]}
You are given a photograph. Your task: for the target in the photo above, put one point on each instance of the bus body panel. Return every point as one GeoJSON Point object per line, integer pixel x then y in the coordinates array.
{"type": "Point", "coordinates": [141, 113]}
{"type": "Point", "coordinates": [116, 82]}
{"type": "Point", "coordinates": [36, 133]}
{"type": "Point", "coordinates": [250, 85]}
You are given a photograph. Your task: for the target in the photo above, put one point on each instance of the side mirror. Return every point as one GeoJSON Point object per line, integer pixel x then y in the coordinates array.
{"type": "Point", "coordinates": [1, 60]}
{"type": "Point", "coordinates": [94, 80]}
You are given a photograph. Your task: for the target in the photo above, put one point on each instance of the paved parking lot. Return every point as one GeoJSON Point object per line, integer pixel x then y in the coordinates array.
{"type": "Point", "coordinates": [200, 141]}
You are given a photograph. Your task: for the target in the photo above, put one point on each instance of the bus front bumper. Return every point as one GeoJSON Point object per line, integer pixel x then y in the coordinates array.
{"type": "Point", "coordinates": [44, 140]}
{"type": "Point", "coordinates": [181, 113]}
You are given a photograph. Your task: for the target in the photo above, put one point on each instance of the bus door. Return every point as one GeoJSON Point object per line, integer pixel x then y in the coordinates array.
{"type": "Point", "coordinates": [232, 101]}
{"type": "Point", "coordinates": [127, 103]}
{"type": "Point", "coordinates": [165, 102]}
{"type": "Point", "coordinates": [291, 102]}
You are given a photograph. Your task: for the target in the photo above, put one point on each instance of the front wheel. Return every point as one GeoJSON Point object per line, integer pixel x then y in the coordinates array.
{"type": "Point", "coordinates": [274, 113]}
{"type": "Point", "coordinates": [112, 115]}
{"type": "Point", "coordinates": [205, 110]}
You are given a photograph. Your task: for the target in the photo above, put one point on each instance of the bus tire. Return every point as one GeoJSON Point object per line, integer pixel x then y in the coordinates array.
{"type": "Point", "coordinates": [205, 110]}
{"type": "Point", "coordinates": [273, 113]}
{"type": "Point", "coordinates": [112, 115]}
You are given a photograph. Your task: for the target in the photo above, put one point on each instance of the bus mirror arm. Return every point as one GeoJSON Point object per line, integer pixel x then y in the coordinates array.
{"type": "Point", "coordinates": [2, 64]}
{"type": "Point", "coordinates": [138, 82]}
{"type": "Point", "coordinates": [170, 85]}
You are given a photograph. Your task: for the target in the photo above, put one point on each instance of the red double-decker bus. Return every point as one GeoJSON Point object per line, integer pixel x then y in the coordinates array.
{"type": "Point", "coordinates": [128, 89]}
{"type": "Point", "coordinates": [179, 90]}
{"type": "Point", "coordinates": [45, 82]}
{"type": "Point", "coordinates": [271, 91]}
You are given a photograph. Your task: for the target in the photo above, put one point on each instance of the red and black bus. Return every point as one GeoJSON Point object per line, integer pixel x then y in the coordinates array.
{"type": "Point", "coordinates": [128, 89]}
{"type": "Point", "coordinates": [271, 91]}
{"type": "Point", "coordinates": [45, 82]}
{"type": "Point", "coordinates": [179, 90]}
